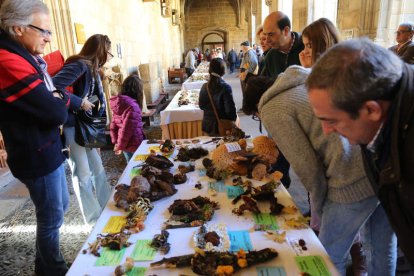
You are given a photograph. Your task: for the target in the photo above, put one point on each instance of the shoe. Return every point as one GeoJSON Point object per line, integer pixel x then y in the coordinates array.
{"type": "Point", "coordinates": [359, 262]}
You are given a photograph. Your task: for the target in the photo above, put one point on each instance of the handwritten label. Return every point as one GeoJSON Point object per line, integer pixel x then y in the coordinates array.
{"type": "Point", "coordinates": [141, 157]}
{"type": "Point", "coordinates": [135, 172]}
{"type": "Point", "coordinates": [143, 251]}
{"type": "Point", "coordinates": [219, 186]}
{"type": "Point", "coordinates": [270, 271]}
{"type": "Point", "coordinates": [313, 265]}
{"type": "Point", "coordinates": [110, 257]}
{"type": "Point", "coordinates": [266, 219]}
{"type": "Point", "coordinates": [137, 271]}
{"type": "Point", "coordinates": [234, 191]}
{"type": "Point", "coordinates": [240, 240]}
{"type": "Point", "coordinates": [114, 224]}
{"type": "Point", "coordinates": [202, 172]}
{"type": "Point", "coordinates": [232, 147]}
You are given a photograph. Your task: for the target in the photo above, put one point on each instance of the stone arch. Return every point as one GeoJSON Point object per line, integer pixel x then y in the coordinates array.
{"type": "Point", "coordinates": [205, 33]}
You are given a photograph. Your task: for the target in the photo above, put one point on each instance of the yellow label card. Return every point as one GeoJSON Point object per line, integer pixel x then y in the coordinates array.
{"type": "Point", "coordinates": [114, 224]}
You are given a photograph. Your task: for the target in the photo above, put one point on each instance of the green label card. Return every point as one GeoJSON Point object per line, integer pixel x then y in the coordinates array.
{"type": "Point", "coordinates": [110, 257]}
{"type": "Point", "coordinates": [270, 271]}
{"type": "Point", "coordinates": [234, 191]}
{"type": "Point", "coordinates": [135, 172]}
{"type": "Point", "coordinates": [266, 219]}
{"type": "Point", "coordinates": [313, 265]}
{"type": "Point", "coordinates": [143, 251]}
{"type": "Point", "coordinates": [137, 271]}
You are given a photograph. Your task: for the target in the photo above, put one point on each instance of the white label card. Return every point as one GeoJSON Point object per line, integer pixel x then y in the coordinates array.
{"type": "Point", "coordinates": [232, 147]}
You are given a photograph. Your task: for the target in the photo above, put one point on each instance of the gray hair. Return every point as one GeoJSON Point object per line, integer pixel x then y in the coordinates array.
{"type": "Point", "coordinates": [407, 25]}
{"type": "Point", "coordinates": [19, 13]}
{"type": "Point", "coordinates": [356, 71]}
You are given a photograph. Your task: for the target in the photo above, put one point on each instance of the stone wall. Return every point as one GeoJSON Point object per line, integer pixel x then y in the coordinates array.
{"type": "Point", "coordinates": [208, 16]}
{"type": "Point", "coordinates": [134, 27]}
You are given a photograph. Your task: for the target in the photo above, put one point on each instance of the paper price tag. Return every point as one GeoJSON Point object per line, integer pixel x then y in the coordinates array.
{"type": "Point", "coordinates": [232, 147]}
{"type": "Point", "coordinates": [313, 265]}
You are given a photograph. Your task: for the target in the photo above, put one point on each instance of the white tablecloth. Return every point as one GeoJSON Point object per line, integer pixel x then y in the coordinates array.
{"type": "Point", "coordinates": [181, 240]}
{"type": "Point", "coordinates": [185, 113]}
{"type": "Point", "coordinates": [196, 81]}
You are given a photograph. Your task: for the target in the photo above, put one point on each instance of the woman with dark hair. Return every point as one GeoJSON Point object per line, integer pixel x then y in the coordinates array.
{"type": "Point", "coordinates": [88, 174]}
{"type": "Point", "coordinates": [127, 131]}
{"type": "Point", "coordinates": [221, 95]}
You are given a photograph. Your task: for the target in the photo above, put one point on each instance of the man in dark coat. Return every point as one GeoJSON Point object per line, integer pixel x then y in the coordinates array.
{"type": "Point", "coordinates": [232, 59]}
{"type": "Point", "coordinates": [286, 45]}
{"type": "Point", "coordinates": [366, 93]}
{"type": "Point", "coordinates": [405, 46]}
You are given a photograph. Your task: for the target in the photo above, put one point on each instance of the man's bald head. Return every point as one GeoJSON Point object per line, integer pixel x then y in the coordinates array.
{"type": "Point", "coordinates": [277, 29]}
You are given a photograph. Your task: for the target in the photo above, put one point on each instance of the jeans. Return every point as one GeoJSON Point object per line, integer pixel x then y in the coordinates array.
{"type": "Point", "coordinates": [88, 178]}
{"type": "Point", "coordinates": [50, 196]}
{"type": "Point", "coordinates": [342, 222]}
{"type": "Point", "coordinates": [128, 155]}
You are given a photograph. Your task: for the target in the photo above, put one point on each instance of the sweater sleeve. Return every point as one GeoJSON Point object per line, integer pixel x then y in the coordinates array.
{"type": "Point", "coordinates": [293, 142]}
{"type": "Point", "coordinates": [22, 87]}
{"type": "Point", "coordinates": [229, 105]}
{"type": "Point", "coordinates": [67, 76]}
{"type": "Point", "coordinates": [203, 99]}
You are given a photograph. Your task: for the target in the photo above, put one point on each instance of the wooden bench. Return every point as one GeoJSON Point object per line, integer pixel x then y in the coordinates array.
{"type": "Point", "coordinates": [174, 73]}
{"type": "Point", "coordinates": [146, 117]}
{"type": "Point", "coordinates": [161, 99]}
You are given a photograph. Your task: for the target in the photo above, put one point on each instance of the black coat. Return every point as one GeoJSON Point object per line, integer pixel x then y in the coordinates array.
{"type": "Point", "coordinates": [224, 103]}
{"type": "Point", "coordinates": [232, 57]}
{"type": "Point", "coordinates": [390, 170]}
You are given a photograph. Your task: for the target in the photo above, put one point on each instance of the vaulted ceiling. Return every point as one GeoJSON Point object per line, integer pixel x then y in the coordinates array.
{"type": "Point", "coordinates": [238, 6]}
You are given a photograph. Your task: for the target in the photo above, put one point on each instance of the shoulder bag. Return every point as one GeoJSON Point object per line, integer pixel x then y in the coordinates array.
{"type": "Point", "coordinates": [224, 125]}
{"type": "Point", "coordinates": [90, 130]}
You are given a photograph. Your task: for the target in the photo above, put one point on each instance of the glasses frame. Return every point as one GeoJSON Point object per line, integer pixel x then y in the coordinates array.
{"type": "Point", "coordinates": [45, 33]}
{"type": "Point", "coordinates": [400, 32]}
{"type": "Point", "coordinates": [110, 54]}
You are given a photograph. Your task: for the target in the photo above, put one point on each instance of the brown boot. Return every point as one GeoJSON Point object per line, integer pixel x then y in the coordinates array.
{"type": "Point", "coordinates": [359, 264]}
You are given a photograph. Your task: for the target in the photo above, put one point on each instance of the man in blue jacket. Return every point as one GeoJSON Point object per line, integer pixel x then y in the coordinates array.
{"type": "Point", "coordinates": [31, 113]}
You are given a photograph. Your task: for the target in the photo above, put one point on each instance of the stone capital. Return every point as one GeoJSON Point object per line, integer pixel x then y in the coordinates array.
{"type": "Point", "coordinates": [268, 3]}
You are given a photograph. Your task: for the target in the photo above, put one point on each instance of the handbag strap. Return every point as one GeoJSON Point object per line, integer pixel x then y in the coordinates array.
{"type": "Point", "coordinates": [212, 104]}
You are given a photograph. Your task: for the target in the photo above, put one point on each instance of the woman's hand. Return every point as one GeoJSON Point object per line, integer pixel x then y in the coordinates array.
{"type": "Point", "coordinates": [116, 150]}
{"type": "Point", "coordinates": [86, 105]}
{"type": "Point", "coordinates": [305, 59]}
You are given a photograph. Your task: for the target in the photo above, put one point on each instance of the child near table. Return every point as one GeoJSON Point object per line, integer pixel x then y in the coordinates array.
{"type": "Point", "coordinates": [127, 131]}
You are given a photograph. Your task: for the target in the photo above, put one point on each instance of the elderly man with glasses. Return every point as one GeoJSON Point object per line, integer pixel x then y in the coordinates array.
{"type": "Point", "coordinates": [31, 113]}
{"type": "Point", "coordinates": [405, 46]}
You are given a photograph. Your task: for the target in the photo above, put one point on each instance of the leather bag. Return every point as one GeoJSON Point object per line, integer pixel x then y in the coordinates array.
{"type": "Point", "coordinates": [224, 125]}
{"type": "Point", "coordinates": [90, 130]}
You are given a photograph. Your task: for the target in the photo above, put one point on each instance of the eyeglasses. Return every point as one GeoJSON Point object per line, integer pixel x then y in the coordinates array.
{"type": "Point", "coordinates": [110, 54]}
{"type": "Point", "coordinates": [400, 32]}
{"type": "Point", "coordinates": [45, 33]}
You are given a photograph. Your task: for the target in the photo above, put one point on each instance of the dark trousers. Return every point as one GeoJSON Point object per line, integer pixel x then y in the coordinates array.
{"type": "Point", "coordinates": [232, 66]}
{"type": "Point", "coordinates": [189, 71]}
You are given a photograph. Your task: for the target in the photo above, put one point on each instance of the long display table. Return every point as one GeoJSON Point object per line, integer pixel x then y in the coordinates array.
{"type": "Point", "coordinates": [293, 257]}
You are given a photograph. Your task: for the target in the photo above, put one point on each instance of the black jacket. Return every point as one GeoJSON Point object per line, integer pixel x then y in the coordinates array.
{"type": "Point", "coordinates": [276, 61]}
{"type": "Point", "coordinates": [391, 169]}
{"type": "Point", "coordinates": [224, 103]}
